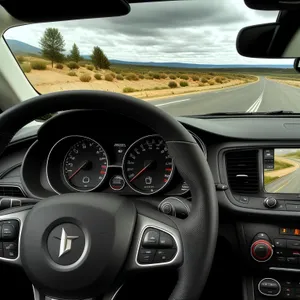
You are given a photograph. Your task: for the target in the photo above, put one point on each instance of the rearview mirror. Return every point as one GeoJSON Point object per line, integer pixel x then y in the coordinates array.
{"type": "Point", "coordinates": [272, 40]}
{"type": "Point", "coordinates": [273, 4]}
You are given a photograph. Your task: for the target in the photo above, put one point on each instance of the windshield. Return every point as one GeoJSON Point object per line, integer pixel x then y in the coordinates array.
{"type": "Point", "coordinates": [181, 56]}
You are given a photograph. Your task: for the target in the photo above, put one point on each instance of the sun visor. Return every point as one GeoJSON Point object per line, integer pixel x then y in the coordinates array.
{"type": "Point", "coordinates": [51, 11]}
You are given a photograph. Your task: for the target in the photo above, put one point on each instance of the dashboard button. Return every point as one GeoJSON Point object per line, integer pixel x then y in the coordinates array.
{"type": "Point", "coordinates": [281, 259]}
{"type": "Point", "coordinates": [280, 243]}
{"type": "Point", "coordinates": [293, 207]}
{"type": "Point", "coordinates": [292, 260]}
{"type": "Point", "coordinates": [293, 244]}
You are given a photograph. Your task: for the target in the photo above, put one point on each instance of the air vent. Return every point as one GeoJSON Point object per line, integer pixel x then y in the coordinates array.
{"type": "Point", "coordinates": [242, 171]}
{"type": "Point", "coordinates": [10, 191]}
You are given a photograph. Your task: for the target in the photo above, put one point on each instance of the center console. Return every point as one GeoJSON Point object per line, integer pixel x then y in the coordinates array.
{"type": "Point", "coordinates": [272, 256]}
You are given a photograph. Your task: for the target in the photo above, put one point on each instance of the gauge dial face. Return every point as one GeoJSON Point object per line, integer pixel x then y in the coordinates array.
{"type": "Point", "coordinates": [147, 165]}
{"type": "Point", "coordinates": [85, 165]}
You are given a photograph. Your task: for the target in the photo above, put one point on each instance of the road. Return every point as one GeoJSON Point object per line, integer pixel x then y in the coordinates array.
{"type": "Point", "coordinates": [263, 95]}
{"type": "Point", "coordinates": [287, 184]}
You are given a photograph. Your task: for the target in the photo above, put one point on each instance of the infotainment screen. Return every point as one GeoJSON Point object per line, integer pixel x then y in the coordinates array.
{"type": "Point", "coordinates": [282, 170]}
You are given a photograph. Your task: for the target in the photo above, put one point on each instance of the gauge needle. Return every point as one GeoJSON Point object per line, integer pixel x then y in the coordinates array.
{"type": "Point", "coordinates": [81, 167]}
{"type": "Point", "coordinates": [142, 171]}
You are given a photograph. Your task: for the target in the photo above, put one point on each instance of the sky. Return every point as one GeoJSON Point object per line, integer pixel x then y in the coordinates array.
{"type": "Point", "coordinates": [190, 31]}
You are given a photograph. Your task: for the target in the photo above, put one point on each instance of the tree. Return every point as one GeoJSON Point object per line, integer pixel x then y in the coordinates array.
{"type": "Point", "coordinates": [75, 54]}
{"type": "Point", "coordinates": [99, 59]}
{"type": "Point", "coordinates": [52, 44]}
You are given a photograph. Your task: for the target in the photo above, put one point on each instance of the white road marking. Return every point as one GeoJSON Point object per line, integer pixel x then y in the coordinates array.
{"type": "Point", "coordinates": [172, 102]}
{"type": "Point", "coordinates": [255, 106]}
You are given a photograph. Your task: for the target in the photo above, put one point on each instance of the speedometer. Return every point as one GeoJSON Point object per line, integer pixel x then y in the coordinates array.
{"type": "Point", "coordinates": [85, 165]}
{"type": "Point", "coordinates": [147, 165]}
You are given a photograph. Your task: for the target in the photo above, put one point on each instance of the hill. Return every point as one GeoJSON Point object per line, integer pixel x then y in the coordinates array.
{"type": "Point", "coordinates": [21, 48]}
{"type": "Point", "coordinates": [18, 47]}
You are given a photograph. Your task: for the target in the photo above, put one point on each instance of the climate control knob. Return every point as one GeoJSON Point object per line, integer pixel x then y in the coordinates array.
{"type": "Point", "coordinates": [261, 250]}
{"type": "Point", "coordinates": [270, 202]}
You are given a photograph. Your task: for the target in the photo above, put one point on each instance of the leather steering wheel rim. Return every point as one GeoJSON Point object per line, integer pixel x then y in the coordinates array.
{"type": "Point", "coordinates": [199, 231]}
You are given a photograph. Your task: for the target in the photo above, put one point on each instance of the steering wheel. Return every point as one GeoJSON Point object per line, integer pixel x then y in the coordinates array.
{"type": "Point", "coordinates": [78, 245]}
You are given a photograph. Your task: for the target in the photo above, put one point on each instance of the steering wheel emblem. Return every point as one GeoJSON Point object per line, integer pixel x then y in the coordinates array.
{"type": "Point", "coordinates": [65, 245]}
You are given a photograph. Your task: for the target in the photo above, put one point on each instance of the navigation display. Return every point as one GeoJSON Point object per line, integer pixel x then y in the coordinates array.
{"type": "Point", "coordinates": [282, 170]}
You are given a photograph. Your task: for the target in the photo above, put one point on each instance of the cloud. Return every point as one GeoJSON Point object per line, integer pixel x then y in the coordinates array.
{"type": "Point", "coordinates": [193, 31]}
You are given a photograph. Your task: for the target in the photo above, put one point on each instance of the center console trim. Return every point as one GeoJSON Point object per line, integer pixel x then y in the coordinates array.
{"type": "Point", "coordinates": [284, 269]}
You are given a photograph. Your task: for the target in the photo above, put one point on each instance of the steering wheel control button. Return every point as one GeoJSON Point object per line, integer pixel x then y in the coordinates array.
{"type": "Point", "coordinates": [66, 244]}
{"type": "Point", "coordinates": [261, 250]}
{"type": "Point", "coordinates": [146, 256]}
{"type": "Point", "coordinates": [9, 232]}
{"type": "Point", "coordinates": [10, 250]}
{"type": "Point", "coordinates": [150, 238]}
{"type": "Point", "coordinates": [269, 287]}
{"type": "Point", "coordinates": [156, 247]}
{"type": "Point", "coordinates": [165, 255]}
{"type": "Point", "coordinates": [165, 240]}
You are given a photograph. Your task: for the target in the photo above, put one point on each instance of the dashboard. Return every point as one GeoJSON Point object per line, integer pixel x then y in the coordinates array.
{"type": "Point", "coordinates": [254, 162]}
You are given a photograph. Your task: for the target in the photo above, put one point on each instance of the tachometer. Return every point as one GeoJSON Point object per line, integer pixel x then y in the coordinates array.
{"type": "Point", "coordinates": [147, 165]}
{"type": "Point", "coordinates": [85, 165]}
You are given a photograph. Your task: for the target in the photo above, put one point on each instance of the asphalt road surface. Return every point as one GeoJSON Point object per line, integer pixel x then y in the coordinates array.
{"type": "Point", "coordinates": [264, 95]}
{"type": "Point", "coordinates": [287, 184]}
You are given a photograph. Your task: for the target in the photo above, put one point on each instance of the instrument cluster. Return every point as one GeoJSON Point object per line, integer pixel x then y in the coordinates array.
{"type": "Point", "coordinates": [78, 163]}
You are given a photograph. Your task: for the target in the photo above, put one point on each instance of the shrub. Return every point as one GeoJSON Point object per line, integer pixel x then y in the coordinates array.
{"type": "Point", "coordinates": [73, 65]}
{"type": "Point", "coordinates": [163, 76]}
{"type": "Point", "coordinates": [141, 76]}
{"type": "Point", "coordinates": [211, 82]}
{"type": "Point", "coordinates": [26, 67]}
{"type": "Point", "coordinates": [119, 77]}
{"type": "Point", "coordinates": [128, 90]}
{"type": "Point", "coordinates": [147, 76]}
{"type": "Point", "coordinates": [218, 79]}
{"type": "Point", "coordinates": [113, 75]}
{"type": "Point", "coordinates": [85, 78]}
{"type": "Point", "coordinates": [20, 59]}
{"type": "Point", "coordinates": [132, 76]}
{"type": "Point", "coordinates": [204, 80]}
{"type": "Point", "coordinates": [150, 74]}
{"type": "Point", "coordinates": [184, 76]}
{"type": "Point", "coordinates": [156, 76]}
{"type": "Point", "coordinates": [72, 73]}
{"type": "Point", "coordinates": [59, 66]}
{"type": "Point", "coordinates": [82, 64]}
{"type": "Point", "coordinates": [183, 83]}
{"type": "Point", "coordinates": [90, 67]}
{"type": "Point", "coordinates": [108, 77]}
{"type": "Point", "coordinates": [195, 78]}
{"type": "Point", "coordinates": [201, 84]}
{"type": "Point", "coordinates": [97, 76]}
{"type": "Point", "coordinates": [172, 76]}
{"type": "Point", "coordinates": [172, 84]}
{"type": "Point", "coordinates": [38, 65]}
